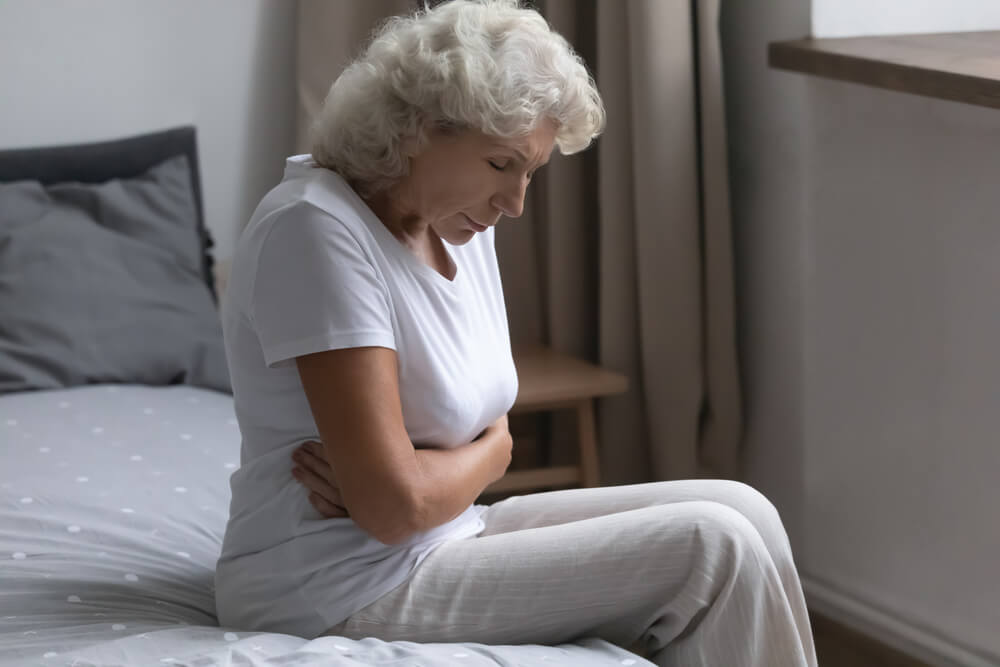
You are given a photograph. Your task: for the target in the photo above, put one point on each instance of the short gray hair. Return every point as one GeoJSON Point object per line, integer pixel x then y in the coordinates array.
{"type": "Point", "coordinates": [488, 65]}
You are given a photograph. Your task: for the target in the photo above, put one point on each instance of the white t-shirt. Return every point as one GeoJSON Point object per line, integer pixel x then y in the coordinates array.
{"type": "Point", "coordinates": [316, 270]}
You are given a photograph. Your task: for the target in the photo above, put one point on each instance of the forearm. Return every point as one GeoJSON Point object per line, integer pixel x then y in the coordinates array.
{"type": "Point", "coordinates": [449, 480]}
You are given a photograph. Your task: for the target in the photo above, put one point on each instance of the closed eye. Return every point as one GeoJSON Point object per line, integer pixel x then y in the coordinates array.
{"type": "Point", "coordinates": [503, 167]}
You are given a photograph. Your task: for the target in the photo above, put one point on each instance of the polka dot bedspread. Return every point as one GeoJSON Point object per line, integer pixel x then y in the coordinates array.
{"type": "Point", "coordinates": [113, 502]}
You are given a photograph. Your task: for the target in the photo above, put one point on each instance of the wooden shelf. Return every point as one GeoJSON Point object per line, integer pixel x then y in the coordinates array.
{"type": "Point", "coordinates": [961, 66]}
{"type": "Point", "coordinates": [547, 379]}
{"type": "Point", "coordinates": [535, 478]}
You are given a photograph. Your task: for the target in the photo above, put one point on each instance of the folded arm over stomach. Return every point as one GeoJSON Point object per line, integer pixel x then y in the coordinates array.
{"type": "Point", "coordinates": [391, 489]}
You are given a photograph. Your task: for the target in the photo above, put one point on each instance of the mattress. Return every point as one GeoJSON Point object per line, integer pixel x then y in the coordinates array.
{"type": "Point", "coordinates": [113, 501]}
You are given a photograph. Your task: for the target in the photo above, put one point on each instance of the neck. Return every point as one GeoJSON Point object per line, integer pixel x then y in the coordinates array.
{"type": "Point", "coordinates": [404, 225]}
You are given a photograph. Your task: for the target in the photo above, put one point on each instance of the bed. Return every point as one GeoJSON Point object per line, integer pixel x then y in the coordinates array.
{"type": "Point", "coordinates": [117, 432]}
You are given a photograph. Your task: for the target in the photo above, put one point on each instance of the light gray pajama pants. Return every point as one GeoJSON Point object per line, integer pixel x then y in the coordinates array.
{"type": "Point", "coordinates": [699, 572]}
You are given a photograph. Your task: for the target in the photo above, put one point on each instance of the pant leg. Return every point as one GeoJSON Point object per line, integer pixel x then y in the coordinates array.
{"type": "Point", "coordinates": [543, 509]}
{"type": "Point", "coordinates": [693, 578]}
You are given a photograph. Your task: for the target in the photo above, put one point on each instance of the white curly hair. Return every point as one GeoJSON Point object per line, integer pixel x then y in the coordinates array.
{"type": "Point", "coordinates": [487, 65]}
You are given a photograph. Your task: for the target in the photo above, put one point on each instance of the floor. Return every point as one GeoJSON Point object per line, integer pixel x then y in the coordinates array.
{"type": "Point", "coordinates": [839, 646]}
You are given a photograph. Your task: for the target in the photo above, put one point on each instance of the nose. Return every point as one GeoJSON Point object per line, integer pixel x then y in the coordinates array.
{"type": "Point", "coordinates": [510, 200]}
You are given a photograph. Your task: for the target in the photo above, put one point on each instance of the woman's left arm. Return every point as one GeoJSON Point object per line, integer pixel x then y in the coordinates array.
{"type": "Point", "coordinates": [315, 473]}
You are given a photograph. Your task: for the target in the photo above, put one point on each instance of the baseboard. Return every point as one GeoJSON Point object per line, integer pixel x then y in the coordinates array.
{"type": "Point", "coordinates": [900, 635]}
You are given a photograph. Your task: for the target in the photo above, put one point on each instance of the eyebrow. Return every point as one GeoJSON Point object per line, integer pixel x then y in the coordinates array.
{"type": "Point", "coordinates": [520, 155]}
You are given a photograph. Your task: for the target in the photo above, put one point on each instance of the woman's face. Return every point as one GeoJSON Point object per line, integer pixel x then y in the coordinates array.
{"type": "Point", "coordinates": [462, 182]}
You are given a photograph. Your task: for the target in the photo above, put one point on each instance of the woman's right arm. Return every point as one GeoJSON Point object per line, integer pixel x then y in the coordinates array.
{"type": "Point", "coordinates": [391, 489]}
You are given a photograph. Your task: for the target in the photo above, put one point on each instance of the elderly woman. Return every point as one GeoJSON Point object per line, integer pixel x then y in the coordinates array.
{"type": "Point", "coordinates": [365, 312]}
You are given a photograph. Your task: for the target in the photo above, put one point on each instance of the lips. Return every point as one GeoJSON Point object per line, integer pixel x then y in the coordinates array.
{"type": "Point", "coordinates": [476, 227]}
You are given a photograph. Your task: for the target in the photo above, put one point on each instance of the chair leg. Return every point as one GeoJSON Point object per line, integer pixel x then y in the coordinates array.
{"type": "Point", "coordinates": [587, 432]}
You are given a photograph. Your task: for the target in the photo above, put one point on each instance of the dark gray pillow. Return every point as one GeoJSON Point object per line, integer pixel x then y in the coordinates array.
{"type": "Point", "coordinates": [103, 283]}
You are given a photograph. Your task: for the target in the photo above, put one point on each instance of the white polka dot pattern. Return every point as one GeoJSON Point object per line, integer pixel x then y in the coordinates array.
{"type": "Point", "coordinates": [115, 520]}
{"type": "Point", "coordinates": [83, 510]}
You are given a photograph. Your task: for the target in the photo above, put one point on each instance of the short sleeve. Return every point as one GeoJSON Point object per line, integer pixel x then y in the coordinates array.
{"type": "Point", "coordinates": [316, 289]}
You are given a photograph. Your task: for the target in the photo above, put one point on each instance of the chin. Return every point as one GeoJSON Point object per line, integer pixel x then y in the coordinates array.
{"type": "Point", "coordinates": [460, 237]}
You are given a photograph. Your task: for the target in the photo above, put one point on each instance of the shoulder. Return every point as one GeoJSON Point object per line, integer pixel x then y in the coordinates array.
{"type": "Point", "coordinates": [303, 228]}
{"type": "Point", "coordinates": [300, 244]}
{"type": "Point", "coordinates": [309, 200]}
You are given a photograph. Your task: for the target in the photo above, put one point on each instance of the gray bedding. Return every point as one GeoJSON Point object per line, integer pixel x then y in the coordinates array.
{"type": "Point", "coordinates": [102, 282]}
{"type": "Point", "coordinates": [113, 500]}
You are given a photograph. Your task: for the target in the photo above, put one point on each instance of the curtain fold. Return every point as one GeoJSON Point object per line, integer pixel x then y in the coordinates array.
{"type": "Point", "coordinates": [330, 35]}
{"type": "Point", "coordinates": [623, 255]}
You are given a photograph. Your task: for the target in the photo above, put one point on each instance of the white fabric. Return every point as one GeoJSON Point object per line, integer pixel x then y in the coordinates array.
{"type": "Point", "coordinates": [316, 270]}
{"type": "Point", "coordinates": [700, 572]}
{"type": "Point", "coordinates": [113, 502]}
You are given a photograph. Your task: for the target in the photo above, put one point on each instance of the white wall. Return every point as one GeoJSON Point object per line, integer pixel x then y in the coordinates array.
{"type": "Point", "coordinates": [850, 18]}
{"type": "Point", "coordinates": [903, 365]}
{"type": "Point", "coordinates": [75, 71]}
{"type": "Point", "coordinates": [868, 251]}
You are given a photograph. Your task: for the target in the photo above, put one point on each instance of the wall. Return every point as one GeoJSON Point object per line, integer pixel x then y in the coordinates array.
{"type": "Point", "coordinates": [867, 245]}
{"type": "Point", "coordinates": [849, 18]}
{"type": "Point", "coordinates": [86, 71]}
{"type": "Point", "coordinates": [768, 181]}
{"type": "Point", "coordinates": [903, 372]}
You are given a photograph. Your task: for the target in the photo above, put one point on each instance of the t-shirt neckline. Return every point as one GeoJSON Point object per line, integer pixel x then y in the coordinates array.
{"type": "Point", "coordinates": [389, 240]}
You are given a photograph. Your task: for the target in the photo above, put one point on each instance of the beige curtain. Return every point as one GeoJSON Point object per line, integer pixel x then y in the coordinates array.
{"type": "Point", "coordinates": [623, 255]}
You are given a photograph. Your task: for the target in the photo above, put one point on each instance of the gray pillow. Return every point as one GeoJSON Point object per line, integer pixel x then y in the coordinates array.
{"type": "Point", "coordinates": [103, 283]}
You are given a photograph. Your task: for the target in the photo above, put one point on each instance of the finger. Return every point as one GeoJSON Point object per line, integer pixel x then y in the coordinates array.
{"type": "Point", "coordinates": [335, 497]}
{"type": "Point", "coordinates": [316, 463]}
{"type": "Point", "coordinates": [326, 508]}
{"type": "Point", "coordinates": [309, 448]}
{"type": "Point", "coordinates": [319, 467]}
{"type": "Point", "coordinates": [316, 484]}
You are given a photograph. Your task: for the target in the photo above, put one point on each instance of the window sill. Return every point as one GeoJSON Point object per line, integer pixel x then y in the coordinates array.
{"type": "Point", "coordinates": [961, 67]}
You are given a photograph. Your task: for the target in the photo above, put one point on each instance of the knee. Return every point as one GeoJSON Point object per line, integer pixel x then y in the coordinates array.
{"type": "Point", "coordinates": [720, 529]}
{"type": "Point", "coordinates": [761, 512]}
